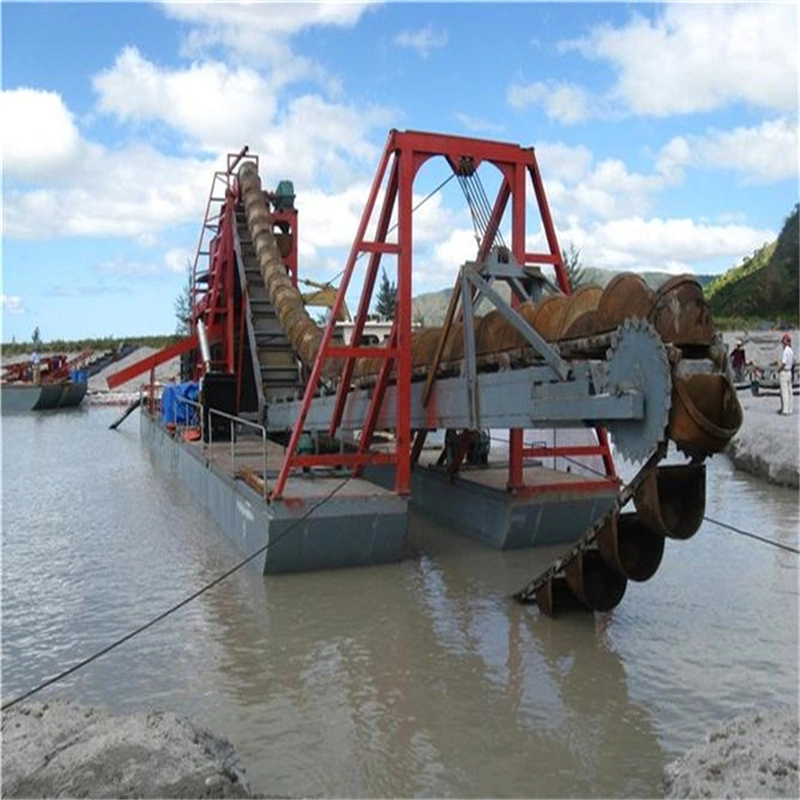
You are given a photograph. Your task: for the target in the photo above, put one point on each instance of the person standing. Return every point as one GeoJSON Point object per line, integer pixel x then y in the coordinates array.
{"type": "Point", "coordinates": [785, 373]}
{"type": "Point", "coordinates": [36, 366]}
{"type": "Point", "coordinates": [738, 361]}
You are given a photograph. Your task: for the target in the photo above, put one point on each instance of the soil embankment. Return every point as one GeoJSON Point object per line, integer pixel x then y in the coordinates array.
{"type": "Point", "coordinates": [59, 749]}
{"type": "Point", "coordinates": [747, 757]}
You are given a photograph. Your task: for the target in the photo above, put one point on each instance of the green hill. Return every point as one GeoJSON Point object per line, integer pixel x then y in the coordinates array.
{"type": "Point", "coordinates": [764, 286]}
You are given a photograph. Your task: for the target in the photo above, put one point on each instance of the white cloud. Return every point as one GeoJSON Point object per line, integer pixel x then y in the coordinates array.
{"type": "Point", "coordinates": [458, 247]}
{"type": "Point", "coordinates": [220, 109]}
{"type": "Point", "coordinates": [423, 40]}
{"type": "Point", "coordinates": [128, 193]}
{"type": "Point", "coordinates": [12, 304]}
{"type": "Point", "coordinates": [671, 245]}
{"type": "Point", "coordinates": [763, 154]}
{"type": "Point", "coordinates": [564, 102]}
{"type": "Point", "coordinates": [563, 162]}
{"type": "Point", "coordinates": [211, 104]}
{"type": "Point", "coordinates": [179, 259]}
{"type": "Point", "coordinates": [38, 135]}
{"type": "Point", "coordinates": [576, 187]}
{"type": "Point", "coordinates": [317, 143]}
{"type": "Point", "coordinates": [699, 57]}
{"type": "Point", "coordinates": [479, 125]}
{"type": "Point", "coordinates": [260, 31]}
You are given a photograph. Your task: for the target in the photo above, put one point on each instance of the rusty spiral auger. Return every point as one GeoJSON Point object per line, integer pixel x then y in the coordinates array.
{"type": "Point", "coordinates": [668, 500]}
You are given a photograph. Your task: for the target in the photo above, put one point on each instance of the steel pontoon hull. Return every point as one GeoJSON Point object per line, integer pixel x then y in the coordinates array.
{"type": "Point", "coordinates": [361, 524]}
{"type": "Point", "coordinates": [22, 398]}
{"type": "Point", "coordinates": [475, 503]}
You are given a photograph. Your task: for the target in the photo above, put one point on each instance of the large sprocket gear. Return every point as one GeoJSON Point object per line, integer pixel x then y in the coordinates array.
{"type": "Point", "coordinates": [638, 360]}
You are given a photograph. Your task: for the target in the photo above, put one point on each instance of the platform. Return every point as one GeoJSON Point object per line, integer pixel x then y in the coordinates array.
{"type": "Point", "coordinates": [555, 507]}
{"type": "Point", "coordinates": [322, 522]}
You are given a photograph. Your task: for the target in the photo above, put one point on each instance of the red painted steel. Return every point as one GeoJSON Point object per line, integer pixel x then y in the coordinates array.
{"type": "Point", "coordinates": [403, 155]}
{"type": "Point", "coordinates": [151, 362]}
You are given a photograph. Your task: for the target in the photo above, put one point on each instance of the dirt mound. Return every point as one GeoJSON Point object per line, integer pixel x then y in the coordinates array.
{"type": "Point", "coordinates": [748, 757]}
{"type": "Point", "coordinates": [59, 749]}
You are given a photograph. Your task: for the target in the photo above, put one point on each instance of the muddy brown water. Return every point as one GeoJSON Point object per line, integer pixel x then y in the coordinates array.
{"type": "Point", "coordinates": [416, 679]}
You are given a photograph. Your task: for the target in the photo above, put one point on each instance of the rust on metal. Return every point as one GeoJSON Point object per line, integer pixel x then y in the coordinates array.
{"type": "Point", "coordinates": [671, 501]}
{"type": "Point", "coordinates": [681, 314]}
{"type": "Point", "coordinates": [631, 547]}
{"type": "Point", "coordinates": [554, 597]}
{"type": "Point", "coordinates": [594, 582]}
{"type": "Point", "coordinates": [626, 295]}
{"type": "Point", "coordinates": [548, 316]}
{"type": "Point", "coordinates": [582, 301]}
{"type": "Point", "coordinates": [705, 413]}
{"type": "Point", "coordinates": [491, 333]}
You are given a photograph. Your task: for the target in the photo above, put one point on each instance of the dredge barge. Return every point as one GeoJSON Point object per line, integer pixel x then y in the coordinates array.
{"type": "Point", "coordinates": [308, 449]}
{"type": "Point", "coordinates": [52, 382]}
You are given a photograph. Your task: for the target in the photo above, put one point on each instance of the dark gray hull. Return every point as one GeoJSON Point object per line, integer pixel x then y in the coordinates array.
{"type": "Point", "coordinates": [22, 398]}
{"type": "Point", "coordinates": [321, 527]}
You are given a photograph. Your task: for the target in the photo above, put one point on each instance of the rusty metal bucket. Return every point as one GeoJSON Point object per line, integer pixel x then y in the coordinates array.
{"type": "Point", "coordinates": [549, 314]}
{"type": "Point", "coordinates": [493, 330]}
{"type": "Point", "coordinates": [423, 346]}
{"type": "Point", "coordinates": [681, 314]}
{"type": "Point", "coordinates": [626, 295]}
{"type": "Point", "coordinates": [594, 582]}
{"type": "Point", "coordinates": [554, 597]}
{"type": "Point", "coordinates": [509, 338]}
{"type": "Point", "coordinates": [705, 413]}
{"type": "Point", "coordinates": [671, 501]}
{"type": "Point", "coordinates": [582, 301]}
{"type": "Point", "coordinates": [583, 326]}
{"type": "Point", "coordinates": [631, 547]}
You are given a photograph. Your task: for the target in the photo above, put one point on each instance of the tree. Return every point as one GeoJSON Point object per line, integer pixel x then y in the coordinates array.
{"type": "Point", "coordinates": [387, 297]}
{"type": "Point", "coordinates": [572, 264]}
{"type": "Point", "coordinates": [36, 339]}
{"type": "Point", "coordinates": [183, 304]}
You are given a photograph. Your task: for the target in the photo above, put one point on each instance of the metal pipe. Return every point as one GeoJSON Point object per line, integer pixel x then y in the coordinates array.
{"type": "Point", "coordinates": [205, 350]}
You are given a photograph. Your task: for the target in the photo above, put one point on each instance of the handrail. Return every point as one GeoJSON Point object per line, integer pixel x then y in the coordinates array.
{"type": "Point", "coordinates": [239, 421]}
{"type": "Point", "coordinates": [193, 404]}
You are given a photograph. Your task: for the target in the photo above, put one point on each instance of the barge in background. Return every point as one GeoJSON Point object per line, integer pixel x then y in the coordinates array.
{"type": "Point", "coordinates": [59, 382]}
{"type": "Point", "coordinates": [308, 449]}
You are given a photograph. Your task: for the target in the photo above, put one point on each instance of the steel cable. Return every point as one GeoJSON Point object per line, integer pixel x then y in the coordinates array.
{"type": "Point", "coordinates": [394, 227]}
{"type": "Point", "coordinates": [176, 607]}
{"type": "Point", "coordinates": [726, 525]}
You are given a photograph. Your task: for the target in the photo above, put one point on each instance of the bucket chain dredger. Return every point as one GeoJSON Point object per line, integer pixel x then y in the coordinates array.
{"type": "Point", "coordinates": [545, 360]}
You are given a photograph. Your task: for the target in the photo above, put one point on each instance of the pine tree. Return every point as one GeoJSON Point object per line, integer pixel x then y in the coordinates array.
{"type": "Point", "coordinates": [387, 297]}
{"type": "Point", "coordinates": [572, 264]}
{"type": "Point", "coordinates": [183, 304]}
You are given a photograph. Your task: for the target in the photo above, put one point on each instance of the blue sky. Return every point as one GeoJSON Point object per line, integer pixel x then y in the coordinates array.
{"type": "Point", "coordinates": [666, 134]}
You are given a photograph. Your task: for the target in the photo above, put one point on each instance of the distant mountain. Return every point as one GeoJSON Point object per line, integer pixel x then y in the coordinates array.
{"type": "Point", "coordinates": [431, 307]}
{"type": "Point", "coordinates": [767, 284]}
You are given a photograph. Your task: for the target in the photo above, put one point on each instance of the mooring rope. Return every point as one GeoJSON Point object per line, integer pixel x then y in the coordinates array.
{"type": "Point", "coordinates": [725, 525]}
{"type": "Point", "coordinates": [176, 607]}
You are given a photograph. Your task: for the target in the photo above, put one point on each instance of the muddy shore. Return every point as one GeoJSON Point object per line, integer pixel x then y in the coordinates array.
{"type": "Point", "coordinates": [767, 443]}
{"type": "Point", "coordinates": [747, 757]}
{"type": "Point", "coordinates": [60, 749]}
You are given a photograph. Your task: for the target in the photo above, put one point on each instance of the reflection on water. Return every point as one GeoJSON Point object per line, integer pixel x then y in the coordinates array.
{"type": "Point", "coordinates": [420, 678]}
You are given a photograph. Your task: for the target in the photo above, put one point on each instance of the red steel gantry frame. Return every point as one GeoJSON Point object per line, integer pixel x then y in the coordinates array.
{"type": "Point", "coordinates": [404, 154]}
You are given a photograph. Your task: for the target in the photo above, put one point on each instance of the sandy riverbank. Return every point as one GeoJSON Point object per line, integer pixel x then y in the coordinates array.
{"type": "Point", "coordinates": [747, 757]}
{"type": "Point", "coordinates": [59, 749]}
{"type": "Point", "coordinates": [767, 442]}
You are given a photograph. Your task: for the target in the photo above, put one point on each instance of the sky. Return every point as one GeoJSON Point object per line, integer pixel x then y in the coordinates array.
{"type": "Point", "coordinates": [667, 135]}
